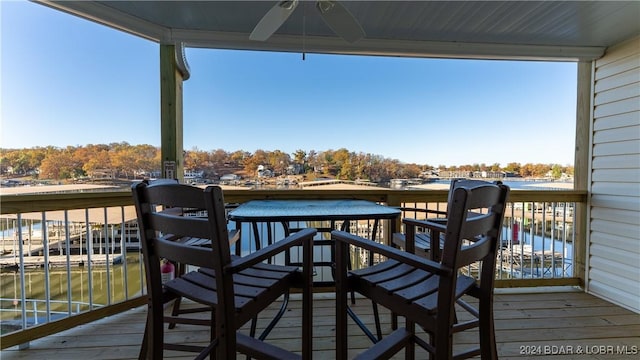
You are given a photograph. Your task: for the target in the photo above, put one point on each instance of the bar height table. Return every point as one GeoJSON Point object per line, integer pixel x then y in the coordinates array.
{"type": "Point", "coordinates": [289, 211]}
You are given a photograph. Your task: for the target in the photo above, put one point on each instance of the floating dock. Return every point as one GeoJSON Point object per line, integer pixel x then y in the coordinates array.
{"type": "Point", "coordinates": [34, 262]}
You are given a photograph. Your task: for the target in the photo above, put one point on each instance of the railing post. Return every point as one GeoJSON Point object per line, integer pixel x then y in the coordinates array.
{"type": "Point", "coordinates": [394, 201]}
{"type": "Point", "coordinates": [171, 116]}
{"type": "Point", "coordinates": [582, 163]}
{"type": "Point", "coordinates": [35, 311]}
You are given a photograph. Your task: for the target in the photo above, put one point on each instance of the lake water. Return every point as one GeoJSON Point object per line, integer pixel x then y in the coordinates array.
{"type": "Point", "coordinates": [526, 184]}
{"type": "Point", "coordinates": [105, 287]}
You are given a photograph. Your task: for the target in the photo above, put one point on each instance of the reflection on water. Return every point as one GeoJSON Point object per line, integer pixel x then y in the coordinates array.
{"type": "Point", "coordinates": [87, 291]}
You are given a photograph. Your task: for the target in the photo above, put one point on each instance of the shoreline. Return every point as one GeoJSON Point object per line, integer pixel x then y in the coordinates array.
{"type": "Point", "coordinates": [329, 185]}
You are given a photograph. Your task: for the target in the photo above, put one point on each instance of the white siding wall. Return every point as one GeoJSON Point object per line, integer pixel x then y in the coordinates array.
{"type": "Point", "coordinates": [614, 226]}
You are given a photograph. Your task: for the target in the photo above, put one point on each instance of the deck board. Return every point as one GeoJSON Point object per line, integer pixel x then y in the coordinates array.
{"type": "Point", "coordinates": [532, 320]}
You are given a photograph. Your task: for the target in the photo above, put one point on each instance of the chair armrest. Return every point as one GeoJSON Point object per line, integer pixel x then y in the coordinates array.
{"type": "Point", "coordinates": [303, 237]}
{"type": "Point", "coordinates": [390, 252]}
{"type": "Point", "coordinates": [438, 225]}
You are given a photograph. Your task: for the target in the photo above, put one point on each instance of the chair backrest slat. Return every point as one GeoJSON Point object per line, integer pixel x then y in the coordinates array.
{"type": "Point", "coordinates": [180, 225]}
{"type": "Point", "coordinates": [164, 220]}
{"type": "Point", "coordinates": [184, 254]}
{"type": "Point", "coordinates": [475, 214]}
{"type": "Point", "coordinates": [179, 196]}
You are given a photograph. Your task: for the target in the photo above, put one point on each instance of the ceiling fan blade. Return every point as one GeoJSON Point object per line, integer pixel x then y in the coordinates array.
{"type": "Point", "coordinates": [273, 19]}
{"type": "Point", "coordinates": [340, 20]}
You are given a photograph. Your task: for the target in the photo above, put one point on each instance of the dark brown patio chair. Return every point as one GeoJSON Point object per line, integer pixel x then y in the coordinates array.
{"type": "Point", "coordinates": [422, 240]}
{"type": "Point", "coordinates": [235, 288]}
{"type": "Point", "coordinates": [425, 291]}
{"type": "Point", "coordinates": [180, 269]}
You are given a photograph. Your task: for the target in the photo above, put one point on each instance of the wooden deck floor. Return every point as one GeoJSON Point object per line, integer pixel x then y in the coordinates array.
{"type": "Point", "coordinates": [528, 325]}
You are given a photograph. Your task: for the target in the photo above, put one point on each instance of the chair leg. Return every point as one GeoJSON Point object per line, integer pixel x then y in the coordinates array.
{"type": "Point", "coordinates": [274, 321]}
{"type": "Point", "coordinates": [153, 338]}
{"type": "Point", "coordinates": [145, 342]}
{"type": "Point", "coordinates": [342, 307]}
{"type": "Point", "coordinates": [181, 270]}
{"type": "Point", "coordinates": [252, 332]}
{"type": "Point", "coordinates": [213, 335]}
{"type": "Point", "coordinates": [360, 324]}
{"type": "Point", "coordinates": [272, 324]}
{"type": "Point", "coordinates": [345, 227]}
{"type": "Point", "coordinates": [376, 316]}
{"type": "Point", "coordinates": [488, 347]}
{"type": "Point", "coordinates": [175, 311]}
{"type": "Point", "coordinates": [307, 301]}
{"type": "Point", "coordinates": [410, 349]}
{"type": "Point", "coordinates": [443, 342]}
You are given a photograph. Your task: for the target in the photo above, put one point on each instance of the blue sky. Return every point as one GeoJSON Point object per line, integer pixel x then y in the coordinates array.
{"type": "Point", "coordinates": [68, 81]}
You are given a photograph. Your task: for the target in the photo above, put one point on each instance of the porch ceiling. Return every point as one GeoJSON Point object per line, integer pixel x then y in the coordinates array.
{"type": "Point", "coordinates": [539, 30]}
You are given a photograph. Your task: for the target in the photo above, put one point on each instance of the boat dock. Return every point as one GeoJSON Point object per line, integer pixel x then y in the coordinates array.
{"type": "Point", "coordinates": [35, 262]}
{"type": "Point", "coordinates": [522, 258]}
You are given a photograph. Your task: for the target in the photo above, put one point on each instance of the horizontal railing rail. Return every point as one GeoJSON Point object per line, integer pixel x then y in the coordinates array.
{"type": "Point", "coordinates": [539, 214]}
{"type": "Point", "coordinates": [26, 203]}
{"type": "Point", "coordinates": [37, 309]}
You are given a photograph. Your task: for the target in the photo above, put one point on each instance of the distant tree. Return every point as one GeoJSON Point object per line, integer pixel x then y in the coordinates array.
{"type": "Point", "coordinates": [148, 158]}
{"type": "Point", "coordinates": [327, 162]}
{"type": "Point", "coordinates": [196, 159]}
{"type": "Point", "coordinates": [527, 170]}
{"type": "Point", "coordinates": [568, 170]}
{"type": "Point", "coordinates": [279, 161]}
{"type": "Point", "coordinates": [300, 156]}
{"type": "Point", "coordinates": [251, 163]}
{"type": "Point", "coordinates": [9, 159]}
{"type": "Point", "coordinates": [361, 166]}
{"type": "Point", "coordinates": [513, 168]}
{"type": "Point", "coordinates": [312, 160]}
{"type": "Point", "coordinates": [23, 161]}
{"type": "Point", "coordinates": [126, 159]}
{"type": "Point", "coordinates": [541, 170]}
{"type": "Point", "coordinates": [411, 170]}
{"type": "Point", "coordinates": [237, 158]}
{"type": "Point", "coordinates": [129, 159]}
{"type": "Point", "coordinates": [343, 165]}
{"type": "Point", "coordinates": [219, 157]}
{"type": "Point", "coordinates": [99, 160]}
{"type": "Point", "coordinates": [60, 165]}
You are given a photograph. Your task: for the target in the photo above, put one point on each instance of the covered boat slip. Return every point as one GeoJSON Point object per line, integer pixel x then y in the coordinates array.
{"type": "Point", "coordinates": [566, 324]}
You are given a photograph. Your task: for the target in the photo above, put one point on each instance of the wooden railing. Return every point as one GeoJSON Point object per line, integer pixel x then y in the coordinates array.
{"type": "Point", "coordinates": [43, 203]}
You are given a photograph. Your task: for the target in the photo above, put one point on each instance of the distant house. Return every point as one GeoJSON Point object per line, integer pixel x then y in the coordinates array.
{"type": "Point", "coordinates": [263, 171]}
{"type": "Point", "coordinates": [295, 169]}
{"type": "Point", "coordinates": [193, 174]}
{"type": "Point", "coordinates": [401, 183]}
{"type": "Point", "coordinates": [456, 174]}
{"type": "Point", "coordinates": [489, 174]}
{"type": "Point", "coordinates": [142, 174]}
{"type": "Point", "coordinates": [102, 174]}
{"type": "Point", "coordinates": [464, 174]}
{"type": "Point", "coordinates": [229, 178]}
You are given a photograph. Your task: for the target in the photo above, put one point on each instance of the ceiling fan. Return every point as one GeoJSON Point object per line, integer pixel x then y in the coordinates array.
{"type": "Point", "coordinates": [333, 13]}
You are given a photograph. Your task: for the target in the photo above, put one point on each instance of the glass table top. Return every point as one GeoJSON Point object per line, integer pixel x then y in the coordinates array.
{"type": "Point", "coordinates": [277, 210]}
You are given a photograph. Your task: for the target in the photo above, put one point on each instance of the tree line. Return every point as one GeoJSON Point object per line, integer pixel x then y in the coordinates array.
{"type": "Point", "coordinates": [127, 161]}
